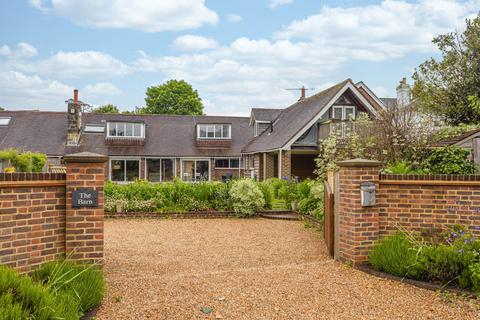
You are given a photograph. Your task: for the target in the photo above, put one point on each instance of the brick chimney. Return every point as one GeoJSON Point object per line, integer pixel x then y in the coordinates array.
{"type": "Point", "coordinates": [403, 93]}
{"type": "Point", "coordinates": [302, 93]}
{"type": "Point", "coordinates": [74, 117]}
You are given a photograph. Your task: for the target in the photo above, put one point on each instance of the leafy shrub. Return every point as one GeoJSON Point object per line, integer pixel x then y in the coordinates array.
{"type": "Point", "coordinates": [85, 283]}
{"type": "Point", "coordinates": [26, 161]}
{"type": "Point", "coordinates": [449, 160]}
{"type": "Point", "coordinates": [267, 194]}
{"type": "Point", "coordinates": [475, 276]}
{"type": "Point", "coordinates": [246, 197]}
{"type": "Point", "coordinates": [21, 298]}
{"type": "Point", "coordinates": [310, 198]}
{"type": "Point", "coordinates": [395, 255]}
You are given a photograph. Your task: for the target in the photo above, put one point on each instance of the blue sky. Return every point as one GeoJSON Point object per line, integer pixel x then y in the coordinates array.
{"type": "Point", "coordinates": [237, 54]}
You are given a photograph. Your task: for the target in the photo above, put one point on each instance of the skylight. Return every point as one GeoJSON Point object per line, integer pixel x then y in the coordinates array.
{"type": "Point", "coordinates": [96, 128]}
{"type": "Point", "coordinates": [4, 121]}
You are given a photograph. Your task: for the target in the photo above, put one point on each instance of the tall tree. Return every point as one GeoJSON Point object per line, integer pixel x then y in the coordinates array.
{"type": "Point", "coordinates": [2, 109]}
{"type": "Point", "coordinates": [107, 108]}
{"type": "Point", "coordinates": [173, 97]}
{"type": "Point", "coordinates": [445, 86]}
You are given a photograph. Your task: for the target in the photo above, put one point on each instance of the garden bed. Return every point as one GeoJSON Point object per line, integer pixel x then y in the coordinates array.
{"type": "Point", "coordinates": [421, 284]}
{"type": "Point", "coordinates": [173, 215]}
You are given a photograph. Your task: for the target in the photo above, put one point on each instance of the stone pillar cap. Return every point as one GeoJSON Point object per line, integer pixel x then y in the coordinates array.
{"type": "Point", "coordinates": [85, 157]}
{"type": "Point", "coordinates": [358, 162]}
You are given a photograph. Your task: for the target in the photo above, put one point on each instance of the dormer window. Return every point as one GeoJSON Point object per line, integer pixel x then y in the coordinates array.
{"type": "Point", "coordinates": [5, 121]}
{"type": "Point", "coordinates": [125, 130]}
{"type": "Point", "coordinates": [343, 112]}
{"type": "Point", "coordinates": [214, 131]}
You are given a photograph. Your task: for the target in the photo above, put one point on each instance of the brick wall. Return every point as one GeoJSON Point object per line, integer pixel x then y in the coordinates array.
{"type": "Point", "coordinates": [32, 219]}
{"type": "Point", "coordinates": [429, 204]}
{"type": "Point", "coordinates": [424, 204]}
{"type": "Point", "coordinates": [270, 166]}
{"type": "Point", "coordinates": [37, 222]}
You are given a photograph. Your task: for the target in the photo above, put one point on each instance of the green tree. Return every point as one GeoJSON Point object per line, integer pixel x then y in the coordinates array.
{"type": "Point", "coordinates": [107, 108]}
{"type": "Point", "coordinates": [173, 97]}
{"type": "Point", "coordinates": [2, 109]}
{"type": "Point", "coordinates": [444, 86]}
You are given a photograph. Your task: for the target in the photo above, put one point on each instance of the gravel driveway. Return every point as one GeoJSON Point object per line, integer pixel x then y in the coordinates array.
{"type": "Point", "coordinates": [248, 269]}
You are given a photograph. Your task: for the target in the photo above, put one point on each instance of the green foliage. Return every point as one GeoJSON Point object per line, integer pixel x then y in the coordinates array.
{"type": "Point", "coordinates": [247, 198]}
{"type": "Point", "coordinates": [444, 86]}
{"type": "Point", "coordinates": [2, 109]}
{"type": "Point", "coordinates": [173, 97]}
{"type": "Point", "coordinates": [21, 298]}
{"type": "Point", "coordinates": [267, 192]}
{"type": "Point", "coordinates": [310, 198]}
{"type": "Point", "coordinates": [85, 283]}
{"type": "Point", "coordinates": [107, 108]}
{"type": "Point", "coordinates": [452, 131]}
{"type": "Point", "coordinates": [475, 276]}
{"type": "Point", "coordinates": [400, 168]}
{"type": "Point", "coordinates": [453, 261]}
{"type": "Point", "coordinates": [26, 161]}
{"type": "Point", "coordinates": [449, 160]}
{"type": "Point", "coordinates": [395, 255]}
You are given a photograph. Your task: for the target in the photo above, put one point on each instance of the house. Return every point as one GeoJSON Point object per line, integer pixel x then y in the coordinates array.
{"type": "Point", "coordinates": [269, 143]}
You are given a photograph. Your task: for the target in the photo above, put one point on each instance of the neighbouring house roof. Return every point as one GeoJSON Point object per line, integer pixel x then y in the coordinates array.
{"type": "Point", "coordinates": [389, 102]}
{"type": "Point", "coordinates": [458, 139]}
{"type": "Point", "coordinates": [293, 119]}
{"type": "Point", "coordinates": [166, 135]}
{"type": "Point", "coordinates": [265, 114]}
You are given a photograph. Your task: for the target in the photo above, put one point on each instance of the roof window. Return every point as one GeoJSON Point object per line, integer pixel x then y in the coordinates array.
{"type": "Point", "coordinates": [5, 121]}
{"type": "Point", "coordinates": [94, 128]}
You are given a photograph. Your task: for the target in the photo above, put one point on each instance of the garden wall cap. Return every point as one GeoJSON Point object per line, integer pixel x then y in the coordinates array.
{"type": "Point", "coordinates": [358, 162]}
{"type": "Point", "coordinates": [85, 157]}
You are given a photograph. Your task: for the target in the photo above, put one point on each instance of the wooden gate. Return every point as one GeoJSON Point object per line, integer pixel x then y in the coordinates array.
{"type": "Point", "coordinates": [328, 219]}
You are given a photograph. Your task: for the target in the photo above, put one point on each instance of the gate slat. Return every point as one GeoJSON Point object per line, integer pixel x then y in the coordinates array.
{"type": "Point", "coordinates": [328, 227]}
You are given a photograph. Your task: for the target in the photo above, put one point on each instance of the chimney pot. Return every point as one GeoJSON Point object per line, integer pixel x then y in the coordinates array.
{"type": "Point", "coordinates": [75, 95]}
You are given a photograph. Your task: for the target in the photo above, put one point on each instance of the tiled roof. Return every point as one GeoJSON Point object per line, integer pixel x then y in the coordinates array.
{"type": "Point", "coordinates": [455, 139]}
{"type": "Point", "coordinates": [266, 114]}
{"type": "Point", "coordinates": [166, 135]}
{"type": "Point", "coordinates": [292, 119]}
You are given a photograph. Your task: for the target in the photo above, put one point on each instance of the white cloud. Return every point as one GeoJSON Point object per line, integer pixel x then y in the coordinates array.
{"type": "Point", "coordinates": [193, 43]}
{"type": "Point", "coordinates": [21, 91]}
{"type": "Point", "coordinates": [233, 18]}
{"type": "Point", "coordinates": [80, 64]}
{"type": "Point", "coordinates": [143, 15]}
{"type": "Point", "coordinates": [101, 89]}
{"type": "Point", "coordinates": [380, 91]}
{"type": "Point", "coordinates": [390, 29]}
{"type": "Point", "coordinates": [23, 51]}
{"type": "Point", "coordinates": [277, 3]}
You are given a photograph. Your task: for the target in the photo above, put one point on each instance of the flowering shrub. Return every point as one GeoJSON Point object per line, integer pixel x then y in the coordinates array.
{"type": "Point", "coordinates": [246, 197]}
{"type": "Point", "coordinates": [176, 196]}
{"type": "Point", "coordinates": [453, 260]}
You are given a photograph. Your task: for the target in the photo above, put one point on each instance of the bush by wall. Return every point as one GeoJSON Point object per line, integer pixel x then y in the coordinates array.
{"type": "Point", "coordinates": [247, 198]}
{"type": "Point", "coordinates": [51, 292]}
{"type": "Point", "coordinates": [24, 161]}
{"type": "Point", "coordinates": [453, 260]}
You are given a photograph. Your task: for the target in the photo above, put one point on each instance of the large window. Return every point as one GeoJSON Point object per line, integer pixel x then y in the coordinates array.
{"type": "Point", "coordinates": [126, 129]}
{"type": "Point", "coordinates": [160, 170]}
{"type": "Point", "coordinates": [343, 112]}
{"type": "Point", "coordinates": [214, 131]}
{"type": "Point", "coordinates": [122, 170]}
{"type": "Point", "coordinates": [195, 170]}
{"type": "Point", "coordinates": [227, 163]}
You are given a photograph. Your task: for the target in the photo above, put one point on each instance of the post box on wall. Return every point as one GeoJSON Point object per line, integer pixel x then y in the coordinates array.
{"type": "Point", "coordinates": [367, 194]}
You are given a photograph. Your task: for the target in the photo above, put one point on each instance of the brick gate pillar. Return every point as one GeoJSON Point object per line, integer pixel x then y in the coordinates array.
{"type": "Point", "coordinates": [84, 223]}
{"type": "Point", "coordinates": [358, 226]}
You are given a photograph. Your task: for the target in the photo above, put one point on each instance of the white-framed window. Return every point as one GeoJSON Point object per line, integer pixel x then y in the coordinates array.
{"type": "Point", "coordinates": [214, 131]}
{"type": "Point", "coordinates": [94, 128]}
{"type": "Point", "coordinates": [227, 163]}
{"type": "Point", "coordinates": [124, 170]}
{"type": "Point", "coordinates": [160, 169]}
{"type": "Point", "coordinates": [195, 170]}
{"type": "Point", "coordinates": [5, 121]}
{"type": "Point", "coordinates": [126, 129]}
{"type": "Point", "coordinates": [343, 112]}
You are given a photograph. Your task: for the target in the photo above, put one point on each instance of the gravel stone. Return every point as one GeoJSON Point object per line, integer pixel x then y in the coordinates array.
{"type": "Point", "coordinates": [249, 269]}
